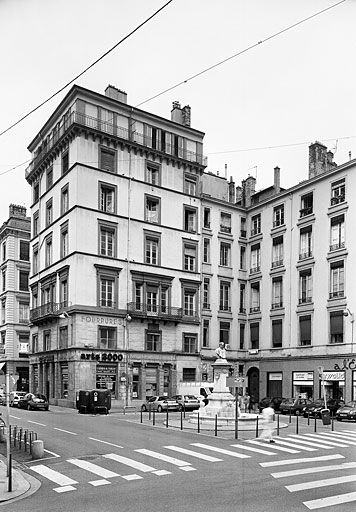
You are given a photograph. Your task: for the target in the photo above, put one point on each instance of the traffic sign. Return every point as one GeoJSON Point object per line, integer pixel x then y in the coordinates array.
{"type": "Point", "coordinates": [236, 382]}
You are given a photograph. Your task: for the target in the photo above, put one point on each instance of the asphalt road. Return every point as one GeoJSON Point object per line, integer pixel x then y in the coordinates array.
{"type": "Point", "coordinates": [114, 463]}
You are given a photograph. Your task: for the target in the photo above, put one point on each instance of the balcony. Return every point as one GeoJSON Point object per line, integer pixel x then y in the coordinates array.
{"type": "Point", "coordinates": [92, 123]}
{"type": "Point", "coordinates": [254, 270]}
{"type": "Point", "coordinates": [168, 313]}
{"type": "Point", "coordinates": [225, 309]}
{"type": "Point", "coordinates": [242, 311]}
{"type": "Point", "coordinates": [243, 233]}
{"type": "Point", "coordinates": [277, 263]}
{"type": "Point", "coordinates": [305, 300]}
{"type": "Point", "coordinates": [47, 311]}
{"type": "Point", "coordinates": [255, 309]}
{"type": "Point", "coordinates": [255, 231]}
{"type": "Point", "coordinates": [335, 247]}
{"type": "Point", "coordinates": [304, 255]}
{"type": "Point", "coordinates": [225, 229]}
{"type": "Point", "coordinates": [337, 294]}
{"type": "Point", "coordinates": [337, 200]}
{"type": "Point", "coordinates": [306, 211]}
{"type": "Point", "coordinates": [277, 305]}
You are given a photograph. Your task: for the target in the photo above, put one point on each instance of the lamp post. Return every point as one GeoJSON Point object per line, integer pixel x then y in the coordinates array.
{"type": "Point", "coordinates": [347, 312]}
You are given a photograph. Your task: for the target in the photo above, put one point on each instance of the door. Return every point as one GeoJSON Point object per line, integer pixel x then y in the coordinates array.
{"type": "Point", "coordinates": [253, 376]}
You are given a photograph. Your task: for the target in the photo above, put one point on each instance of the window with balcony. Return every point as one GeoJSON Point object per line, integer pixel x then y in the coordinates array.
{"type": "Point", "coordinates": [277, 333]}
{"type": "Point", "coordinates": [337, 279]}
{"type": "Point", "coordinates": [190, 344]}
{"type": "Point", "coordinates": [152, 249]}
{"type": "Point", "coordinates": [254, 336]}
{"type": "Point", "coordinates": [206, 219]}
{"type": "Point", "coordinates": [153, 173]}
{"type": "Point", "coordinates": [189, 302]}
{"type": "Point", "coordinates": [206, 293]}
{"type": "Point", "coordinates": [190, 257]}
{"type": "Point", "coordinates": [305, 286]}
{"type": "Point", "coordinates": [107, 239]}
{"type": "Point", "coordinates": [256, 224]}
{"type": "Point", "coordinates": [224, 296]}
{"type": "Point", "coordinates": [107, 338]}
{"type": "Point", "coordinates": [48, 294]}
{"type": "Point", "coordinates": [23, 281]}
{"type": "Point", "coordinates": [24, 250]}
{"type": "Point", "coordinates": [107, 198]}
{"type": "Point", "coordinates": [190, 185]}
{"type": "Point", "coordinates": [46, 341]}
{"type": "Point", "coordinates": [49, 212]}
{"type": "Point", "coordinates": [337, 192]}
{"type": "Point", "coordinates": [64, 199]}
{"type": "Point", "coordinates": [255, 259]}
{"type": "Point", "coordinates": [35, 259]}
{"type": "Point", "coordinates": [49, 177]}
{"type": "Point", "coordinates": [337, 326]}
{"type": "Point", "coordinates": [337, 233]}
{"type": "Point", "coordinates": [305, 330]}
{"type": "Point", "coordinates": [242, 308]}
{"type": "Point", "coordinates": [255, 297]}
{"type": "Point", "coordinates": [206, 250]}
{"type": "Point", "coordinates": [107, 159]}
{"type": "Point", "coordinates": [65, 162]}
{"type": "Point", "coordinates": [224, 333]}
{"type": "Point", "coordinates": [277, 292]}
{"type": "Point", "coordinates": [225, 254]}
{"type": "Point", "coordinates": [242, 257]}
{"type": "Point", "coordinates": [306, 204]}
{"type": "Point", "coordinates": [189, 219]}
{"type": "Point", "coordinates": [243, 232]}
{"type": "Point", "coordinates": [64, 240]}
{"type": "Point", "coordinates": [205, 343]}
{"type": "Point", "coordinates": [225, 222]}
{"type": "Point", "coordinates": [152, 209]}
{"type": "Point", "coordinates": [153, 341]}
{"type": "Point", "coordinates": [306, 243]}
{"type": "Point", "coordinates": [278, 215]}
{"type": "Point", "coordinates": [242, 336]}
{"type": "Point", "coordinates": [277, 251]}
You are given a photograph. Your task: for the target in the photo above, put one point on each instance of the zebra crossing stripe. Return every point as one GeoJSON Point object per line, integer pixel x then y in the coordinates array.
{"type": "Point", "coordinates": [349, 431]}
{"type": "Point", "coordinates": [252, 449]}
{"type": "Point", "coordinates": [281, 448]}
{"type": "Point", "coordinates": [93, 468]}
{"type": "Point", "coordinates": [65, 488]}
{"type": "Point", "coordinates": [193, 454]}
{"type": "Point", "coordinates": [337, 437]}
{"type": "Point", "coordinates": [327, 441]}
{"type": "Point", "coordinates": [307, 471]}
{"type": "Point", "coordinates": [293, 445]}
{"type": "Point", "coordinates": [222, 450]}
{"type": "Point", "coordinates": [285, 462]}
{"type": "Point", "coordinates": [129, 462]}
{"type": "Point", "coordinates": [97, 483]}
{"type": "Point", "coordinates": [53, 475]}
{"type": "Point", "coordinates": [321, 483]}
{"type": "Point", "coordinates": [165, 458]}
{"type": "Point", "coordinates": [343, 436]}
{"type": "Point", "coordinates": [330, 500]}
{"type": "Point", "coordinates": [309, 442]}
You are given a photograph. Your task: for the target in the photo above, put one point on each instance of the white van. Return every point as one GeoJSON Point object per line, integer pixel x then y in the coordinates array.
{"type": "Point", "coordinates": [201, 390]}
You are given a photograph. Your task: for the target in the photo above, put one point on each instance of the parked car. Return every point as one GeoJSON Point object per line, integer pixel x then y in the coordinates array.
{"type": "Point", "coordinates": [187, 402]}
{"type": "Point", "coordinates": [293, 405]}
{"type": "Point", "coordinates": [159, 404]}
{"type": "Point", "coordinates": [315, 407]}
{"type": "Point", "coordinates": [274, 401]}
{"type": "Point", "coordinates": [347, 411]}
{"type": "Point", "coordinates": [34, 401]}
{"type": "Point", "coordinates": [15, 397]}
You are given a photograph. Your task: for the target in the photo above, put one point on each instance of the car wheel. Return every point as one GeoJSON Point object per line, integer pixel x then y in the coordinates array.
{"type": "Point", "coordinates": [143, 408]}
{"type": "Point", "coordinates": [159, 409]}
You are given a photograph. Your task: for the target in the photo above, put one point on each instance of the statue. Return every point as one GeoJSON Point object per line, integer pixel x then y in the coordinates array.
{"type": "Point", "coordinates": [220, 351]}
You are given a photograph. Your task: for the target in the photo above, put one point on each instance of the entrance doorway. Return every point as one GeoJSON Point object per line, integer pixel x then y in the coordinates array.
{"type": "Point", "coordinates": [253, 375]}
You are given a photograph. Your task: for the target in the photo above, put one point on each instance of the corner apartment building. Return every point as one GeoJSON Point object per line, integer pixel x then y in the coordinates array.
{"type": "Point", "coordinates": [115, 248]}
{"type": "Point", "coordinates": [277, 279]}
{"type": "Point", "coordinates": [15, 298]}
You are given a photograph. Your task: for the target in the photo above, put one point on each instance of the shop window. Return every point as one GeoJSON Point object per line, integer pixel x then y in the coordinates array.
{"type": "Point", "coordinates": [336, 327]}
{"type": "Point", "coordinates": [305, 330]}
{"type": "Point", "coordinates": [153, 341]}
{"type": "Point", "coordinates": [24, 250]}
{"type": "Point", "coordinates": [189, 374]}
{"type": "Point", "coordinates": [224, 333]}
{"type": "Point", "coordinates": [306, 204]}
{"type": "Point", "coordinates": [64, 380]}
{"type": "Point", "coordinates": [277, 333]}
{"type": "Point", "coordinates": [136, 382]}
{"type": "Point", "coordinates": [107, 159]}
{"type": "Point", "coordinates": [107, 338]}
{"type": "Point", "coordinates": [255, 335]}
{"type": "Point", "coordinates": [190, 343]}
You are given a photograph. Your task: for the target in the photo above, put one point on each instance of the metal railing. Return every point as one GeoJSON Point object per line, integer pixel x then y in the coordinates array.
{"type": "Point", "coordinates": [49, 309]}
{"type": "Point", "coordinates": [337, 293]}
{"type": "Point", "coordinates": [337, 200]}
{"type": "Point", "coordinates": [305, 300]}
{"type": "Point", "coordinates": [304, 255]}
{"type": "Point", "coordinates": [142, 310]}
{"type": "Point", "coordinates": [277, 263]}
{"type": "Point", "coordinates": [276, 305]}
{"type": "Point", "coordinates": [335, 247]}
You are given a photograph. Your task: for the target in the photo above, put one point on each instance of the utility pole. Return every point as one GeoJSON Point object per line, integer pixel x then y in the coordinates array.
{"type": "Point", "coordinates": [8, 447]}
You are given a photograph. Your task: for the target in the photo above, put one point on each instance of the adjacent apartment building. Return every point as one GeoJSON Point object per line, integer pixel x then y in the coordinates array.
{"type": "Point", "coordinates": [142, 261]}
{"type": "Point", "coordinates": [15, 298]}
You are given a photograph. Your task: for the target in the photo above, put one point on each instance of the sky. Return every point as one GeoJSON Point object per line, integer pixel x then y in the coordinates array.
{"type": "Point", "coordinates": [289, 91]}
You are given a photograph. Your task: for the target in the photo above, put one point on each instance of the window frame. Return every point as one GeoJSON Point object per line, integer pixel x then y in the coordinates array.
{"type": "Point", "coordinates": [106, 345]}
{"type": "Point", "coordinates": [107, 227]}
{"type": "Point", "coordinates": [113, 153]}
{"type": "Point", "coordinates": [192, 346]}
{"type": "Point", "coordinates": [155, 200]}
{"type": "Point", "coordinates": [65, 199]}
{"type": "Point", "coordinates": [189, 260]}
{"type": "Point", "coordinates": [108, 187]}
{"type": "Point", "coordinates": [153, 169]}
{"type": "Point", "coordinates": [187, 209]}
{"type": "Point", "coordinates": [151, 236]}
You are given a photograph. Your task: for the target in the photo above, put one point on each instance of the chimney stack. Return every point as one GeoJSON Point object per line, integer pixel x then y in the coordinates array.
{"type": "Point", "coordinates": [16, 210]}
{"type": "Point", "coordinates": [320, 159]}
{"type": "Point", "coordinates": [232, 197]}
{"type": "Point", "coordinates": [186, 115]}
{"type": "Point", "coordinates": [277, 180]}
{"type": "Point", "coordinates": [180, 115]}
{"type": "Point", "coordinates": [116, 94]}
{"type": "Point", "coordinates": [248, 189]}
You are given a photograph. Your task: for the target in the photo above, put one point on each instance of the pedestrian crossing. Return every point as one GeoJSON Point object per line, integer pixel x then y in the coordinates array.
{"type": "Point", "coordinates": [305, 454]}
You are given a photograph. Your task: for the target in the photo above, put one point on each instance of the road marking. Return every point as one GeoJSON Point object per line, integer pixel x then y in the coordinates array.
{"type": "Point", "coordinates": [132, 477]}
{"type": "Point", "coordinates": [193, 454]}
{"type": "Point", "coordinates": [93, 468]}
{"type": "Point", "coordinates": [299, 461]}
{"type": "Point", "coordinates": [65, 488]}
{"type": "Point", "coordinates": [222, 450]}
{"type": "Point", "coordinates": [293, 445]}
{"type": "Point", "coordinates": [65, 431]}
{"type": "Point", "coordinates": [16, 417]}
{"type": "Point", "coordinates": [36, 423]}
{"type": "Point", "coordinates": [96, 483]}
{"type": "Point", "coordinates": [105, 442]}
{"type": "Point", "coordinates": [274, 447]}
{"type": "Point", "coordinates": [321, 483]}
{"type": "Point", "coordinates": [252, 449]}
{"type": "Point", "coordinates": [341, 437]}
{"type": "Point", "coordinates": [187, 468]}
{"type": "Point", "coordinates": [165, 458]}
{"type": "Point", "coordinates": [306, 471]}
{"type": "Point", "coordinates": [330, 500]}
{"type": "Point", "coordinates": [309, 442]}
{"type": "Point", "coordinates": [52, 453]}
{"type": "Point", "coordinates": [328, 442]}
{"type": "Point", "coordinates": [129, 462]}
{"type": "Point", "coordinates": [53, 475]}
{"type": "Point", "coordinates": [161, 472]}
{"type": "Point", "coordinates": [350, 431]}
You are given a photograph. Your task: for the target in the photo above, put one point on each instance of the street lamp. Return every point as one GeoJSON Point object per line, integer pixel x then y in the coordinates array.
{"type": "Point", "coordinates": [347, 312]}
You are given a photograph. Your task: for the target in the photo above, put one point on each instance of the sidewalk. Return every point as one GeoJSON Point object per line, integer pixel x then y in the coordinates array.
{"type": "Point", "coordinates": [21, 482]}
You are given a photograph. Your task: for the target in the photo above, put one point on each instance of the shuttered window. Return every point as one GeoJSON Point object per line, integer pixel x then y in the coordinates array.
{"type": "Point", "coordinates": [305, 330]}
{"type": "Point", "coordinates": [107, 159]}
{"type": "Point", "coordinates": [255, 335]}
{"type": "Point", "coordinates": [277, 333]}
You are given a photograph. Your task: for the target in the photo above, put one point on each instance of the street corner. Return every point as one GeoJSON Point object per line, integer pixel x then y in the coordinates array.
{"type": "Point", "coordinates": [22, 484]}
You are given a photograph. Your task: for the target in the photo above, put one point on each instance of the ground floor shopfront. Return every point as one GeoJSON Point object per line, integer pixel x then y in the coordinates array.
{"type": "Point", "coordinates": [305, 377]}
{"type": "Point", "coordinates": [19, 372]}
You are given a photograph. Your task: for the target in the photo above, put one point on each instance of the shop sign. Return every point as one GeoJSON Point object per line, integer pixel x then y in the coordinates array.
{"type": "Point", "coordinates": [302, 375]}
{"type": "Point", "coordinates": [102, 356]}
{"type": "Point", "coordinates": [104, 369]}
{"type": "Point", "coordinates": [333, 376]}
{"type": "Point", "coordinates": [91, 319]}
{"type": "Point", "coordinates": [274, 376]}
{"type": "Point", "coordinates": [348, 364]}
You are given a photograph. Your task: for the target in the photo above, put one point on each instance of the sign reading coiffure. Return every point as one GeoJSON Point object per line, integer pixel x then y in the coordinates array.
{"type": "Point", "coordinates": [107, 357]}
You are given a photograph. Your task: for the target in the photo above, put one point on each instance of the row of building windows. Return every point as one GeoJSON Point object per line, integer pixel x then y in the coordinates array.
{"type": "Point", "coordinates": [24, 251]}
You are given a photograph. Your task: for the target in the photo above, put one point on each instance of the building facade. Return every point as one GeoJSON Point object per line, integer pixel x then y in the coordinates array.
{"type": "Point", "coordinates": [15, 298]}
{"type": "Point", "coordinates": [142, 261]}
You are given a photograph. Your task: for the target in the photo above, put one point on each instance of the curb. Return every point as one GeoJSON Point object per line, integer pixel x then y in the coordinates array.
{"type": "Point", "coordinates": [23, 485]}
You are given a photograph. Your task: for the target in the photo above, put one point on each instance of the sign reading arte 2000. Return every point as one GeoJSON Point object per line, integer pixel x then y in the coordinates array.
{"type": "Point", "coordinates": [102, 356]}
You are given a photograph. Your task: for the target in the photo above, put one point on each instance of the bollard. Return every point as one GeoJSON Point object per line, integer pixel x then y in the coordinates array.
{"type": "Point", "coordinates": [198, 423]}
{"type": "Point", "coordinates": [297, 425]}
{"type": "Point", "coordinates": [25, 440]}
{"type": "Point", "coordinates": [154, 418]}
{"type": "Point", "coordinates": [149, 412]}
{"type": "Point", "coordinates": [181, 419]}
{"type": "Point", "coordinates": [37, 449]}
{"type": "Point", "coordinates": [14, 434]}
{"type": "Point", "coordinates": [257, 426]}
{"type": "Point", "coordinates": [141, 416]}
{"type": "Point", "coordinates": [236, 427]}
{"type": "Point", "coordinates": [216, 425]}
{"type": "Point", "coordinates": [30, 442]}
{"type": "Point", "coordinates": [315, 424]}
{"type": "Point", "coordinates": [167, 419]}
{"type": "Point", "coordinates": [9, 481]}
{"type": "Point", "coordinates": [290, 415]}
{"type": "Point", "coordinates": [332, 423]}
{"type": "Point", "coordinates": [277, 424]}
{"type": "Point", "coordinates": [308, 418]}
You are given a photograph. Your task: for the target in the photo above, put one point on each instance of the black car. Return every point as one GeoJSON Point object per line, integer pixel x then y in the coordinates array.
{"type": "Point", "coordinates": [347, 411]}
{"type": "Point", "coordinates": [314, 409]}
{"type": "Point", "coordinates": [33, 401]}
{"type": "Point", "coordinates": [294, 405]}
{"type": "Point", "coordinates": [274, 401]}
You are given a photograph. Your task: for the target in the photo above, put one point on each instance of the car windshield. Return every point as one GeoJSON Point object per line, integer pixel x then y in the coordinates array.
{"type": "Point", "coordinates": [351, 404]}
{"type": "Point", "coordinates": [162, 398]}
{"type": "Point", "coordinates": [190, 397]}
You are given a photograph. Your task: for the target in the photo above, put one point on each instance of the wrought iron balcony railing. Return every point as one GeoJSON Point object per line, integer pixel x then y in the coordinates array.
{"type": "Point", "coordinates": [337, 200]}
{"type": "Point", "coordinates": [225, 229]}
{"type": "Point", "coordinates": [335, 247]}
{"type": "Point", "coordinates": [337, 293]}
{"type": "Point", "coordinates": [142, 310]}
{"type": "Point", "coordinates": [276, 305]}
{"type": "Point", "coordinates": [305, 300]}
{"type": "Point", "coordinates": [304, 255]}
{"type": "Point", "coordinates": [306, 211]}
{"type": "Point", "coordinates": [254, 270]}
{"type": "Point", "coordinates": [277, 263]}
{"type": "Point", "coordinates": [47, 310]}
{"type": "Point", "coordinates": [255, 309]}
